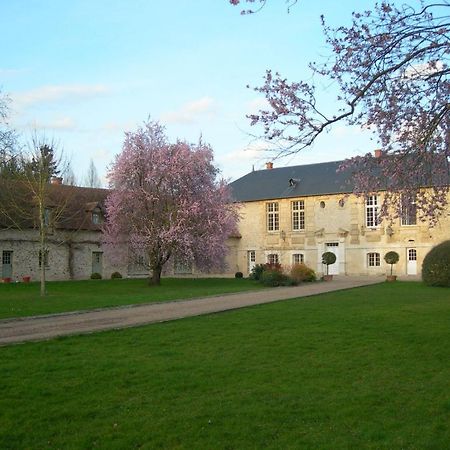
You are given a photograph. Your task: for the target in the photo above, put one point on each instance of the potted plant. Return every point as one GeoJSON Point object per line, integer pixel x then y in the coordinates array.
{"type": "Point", "coordinates": [328, 258]}
{"type": "Point", "coordinates": [26, 279]}
{"type": "Point", "coordinates": [391, 258]}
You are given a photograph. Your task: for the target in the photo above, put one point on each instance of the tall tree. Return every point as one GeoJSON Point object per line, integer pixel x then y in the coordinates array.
{"type": "Point", "coordinates": [392, 70]}
{"type": "Point", "coordinates": [27, 199]}
{"type": "Point", "coordinates": [92, 179]}
{"type": "Point", "coordinates": [9, 162]}
{"type": "Point", "coordinates": [167, 202]}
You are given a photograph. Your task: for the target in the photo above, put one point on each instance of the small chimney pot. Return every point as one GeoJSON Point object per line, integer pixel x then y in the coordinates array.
{"type": "Point", "coordinates": [378, 153]}
{"type": "Point", "coordinates": [56, 180]}
{"type": "Point", "coordinates": [269, 165]}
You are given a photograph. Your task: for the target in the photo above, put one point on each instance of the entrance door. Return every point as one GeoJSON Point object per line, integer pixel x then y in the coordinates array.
{"type": "Point", "coordinates": [333, 247]}
{"type": "Point", "coordinates": [251, 260]}
{"type": "Point", "coordinates": [411, 265]}
{"type": "Point", "coordinates": [97, 262]}
{"type": "Point", "coordinates": [7, 264]}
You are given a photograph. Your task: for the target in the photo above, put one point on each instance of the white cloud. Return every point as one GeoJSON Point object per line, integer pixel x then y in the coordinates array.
{"type": "Point", "coordinates": [191, 111]}
{"type": "Point", "coordinates": [61, 123]}
{"type": "Point", "coordinates": [11, 72]}
{"type": "Point", "coordinates": [257, 104]}
{"type": "Point", "coordinates": [420, 70]}
{"type": "Point", "coordinates": [58, 93]}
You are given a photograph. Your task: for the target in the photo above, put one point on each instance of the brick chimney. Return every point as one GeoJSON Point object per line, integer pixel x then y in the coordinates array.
{"type": "Point", "coordinates": [56, 180]}
{"type": "Point", "coordinates": [378, 153]}
{"type": "Point", "coordinates": [269, 165]}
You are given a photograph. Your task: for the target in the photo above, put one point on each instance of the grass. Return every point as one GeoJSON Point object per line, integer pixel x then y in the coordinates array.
{"type": "Point", "coordinates": [22, 299]}
{"type": "Point", "coordinates": [366, 368]}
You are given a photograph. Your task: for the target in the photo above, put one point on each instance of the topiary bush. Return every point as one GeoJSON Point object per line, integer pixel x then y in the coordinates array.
{"type": "Point", "coordinates": [301, 272]}
{"type": "Point", "coordinates": [238, 275]}
{"type": "Point", "coordinates": [116, 275]}
{"type": "Point", "coordinates": [391, 258]}
{"type": "Point", "coordinates": [436, 266]}
{"type": "Point", "coordinates": [96, 276]}
{"type": "Point", "coordinates": [328, 258]}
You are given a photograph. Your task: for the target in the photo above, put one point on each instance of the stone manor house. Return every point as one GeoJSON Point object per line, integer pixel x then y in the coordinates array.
{"type": "Point", "coordinates": [288, 215]}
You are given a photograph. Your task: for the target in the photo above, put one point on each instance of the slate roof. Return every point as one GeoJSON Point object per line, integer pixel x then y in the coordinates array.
{"type": "Point", "coordinates": [294, 181]}
{"type": "Point", "coordinates": [74, 204]}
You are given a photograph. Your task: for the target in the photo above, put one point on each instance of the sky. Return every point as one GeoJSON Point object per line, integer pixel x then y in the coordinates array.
{"type": "Point", "coordinates": [84, 72]}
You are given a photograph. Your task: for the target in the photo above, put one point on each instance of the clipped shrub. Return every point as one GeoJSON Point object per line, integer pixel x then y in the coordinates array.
{"type": "Point", "coordinates": [391, 258]}
{"type": "Point", "coordinates": [436, 266]}
{"type": "Point", "coordinates": [116, 275]}
{"type": "Point", "coordinates": [301, 272]}
{"type": "Point", "coordinates": [274, 278]}
{"type": "Point", "coordinates": [238, 275]}
{"type": "Point", "coordinates": [328, 258]}
{"type": "Point", "coordinates": [96, 276]}
{"type": "Point", "coordinates": [257, 271]}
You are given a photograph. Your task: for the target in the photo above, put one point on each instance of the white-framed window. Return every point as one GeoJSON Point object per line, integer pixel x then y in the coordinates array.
{"type": "Point", "coordinates": [412, 254]}
{"type": "Point", "coordinates": [46, 264]}
{"type": "Point", "coordinates": [408, 210]}
{"type": "Point", "coordinates": [372, 211]}
{"type": "Point", "coordinates": [373, 259]}
{"type": "Point", "coordinates": [272, 258]}
{"type": "Point", "coordinates": [298, 215]}
{"type": "Point", "coordinates": [273, 218]}
{"type": "Point", "coordinates": [298, 258]}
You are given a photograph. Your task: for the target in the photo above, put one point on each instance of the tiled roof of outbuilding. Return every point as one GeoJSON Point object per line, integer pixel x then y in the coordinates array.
{"type": "Point", "coordinates": [294, 181]}
{"type": "Point", "coordinates": [74, 206]}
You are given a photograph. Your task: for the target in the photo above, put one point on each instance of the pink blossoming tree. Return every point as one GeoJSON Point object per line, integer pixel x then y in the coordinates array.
{"type": "Point", "coordinates": [167, 203]}
{"type": "Point", "coordinates": [392, 69]}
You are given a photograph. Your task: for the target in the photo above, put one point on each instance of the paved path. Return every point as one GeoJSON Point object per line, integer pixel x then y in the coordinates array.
{"type": "Point", "coordinates": [50, 326]}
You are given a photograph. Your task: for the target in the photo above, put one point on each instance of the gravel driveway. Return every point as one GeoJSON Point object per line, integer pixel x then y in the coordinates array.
{"type": "Point", "coordinates": [50, 326]}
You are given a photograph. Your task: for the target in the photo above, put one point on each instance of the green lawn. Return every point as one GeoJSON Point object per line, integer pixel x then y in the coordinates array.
{"type": "Point", "coordinates": [359, 369]}
{"type": "Point", "coordinates": [21, 299]}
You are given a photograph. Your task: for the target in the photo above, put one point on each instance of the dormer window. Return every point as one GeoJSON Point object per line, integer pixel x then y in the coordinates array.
{"type": "Point", "coordinates": [96, 217]}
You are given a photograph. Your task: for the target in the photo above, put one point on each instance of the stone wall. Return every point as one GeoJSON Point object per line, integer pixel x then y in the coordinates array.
{"type": "Point", "coordinates": [338, 223]}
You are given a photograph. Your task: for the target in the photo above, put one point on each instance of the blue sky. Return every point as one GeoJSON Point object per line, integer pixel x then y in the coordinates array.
{"type": "Point", "coordinates": [82, 72]}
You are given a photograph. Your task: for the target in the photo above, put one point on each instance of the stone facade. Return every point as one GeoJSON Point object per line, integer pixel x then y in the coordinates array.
{"type": "Point", "coordinates": [334, 222]}
{"type": "Point", "coordinates": [71, 255]}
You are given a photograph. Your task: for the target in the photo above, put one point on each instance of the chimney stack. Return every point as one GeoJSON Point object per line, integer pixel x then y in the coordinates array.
{"type": "Point", "coordinates": [56, 180]}
{"type": "Point", "coordinates": [378, 153]}
{"type": "Point", "coordinates": [269, 165]}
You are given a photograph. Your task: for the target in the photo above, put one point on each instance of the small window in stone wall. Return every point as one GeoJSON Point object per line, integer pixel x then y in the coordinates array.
{"type": "Point", "coordinates": [298, 258]}
{"type": "Point", "coordinates": [182, 268]}
{"type": "Point", "coordinates": [273, 258]}
{"type": "Point", "coordinates": [46, 264]}
{"type": "Point", "coordinates": [373, 259]}
{"type": "Point", "coordinates": [322, 204]}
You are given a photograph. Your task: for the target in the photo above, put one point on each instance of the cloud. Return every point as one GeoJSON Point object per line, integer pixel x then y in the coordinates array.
{"type": "Point", "coordinates": [421, 70]}
{"type": "Point", "coordinates": [58, 93]}
{"type": "Point", "coordinates": [11, 72]}
{"type": "Point", "coordinates": [257, 104]}
{"type": "Point", "coordinates": [191, 111]}
{"type": "Point", "coordinates": [61, 123]}
{"type": "Point", "coordinates": [255, 151]}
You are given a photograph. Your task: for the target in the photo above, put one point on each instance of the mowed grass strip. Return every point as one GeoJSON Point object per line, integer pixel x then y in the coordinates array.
{"type": "Point", "coordinates": [366, 368]}
{"type": "Point", "coordinates": [22, 299]}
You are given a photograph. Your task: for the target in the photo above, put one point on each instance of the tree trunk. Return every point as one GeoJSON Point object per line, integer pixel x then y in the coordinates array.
{"type": "Point", "coordinates": [42, 247]}
{"type": "Point", "coordinates": [155, 279]}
